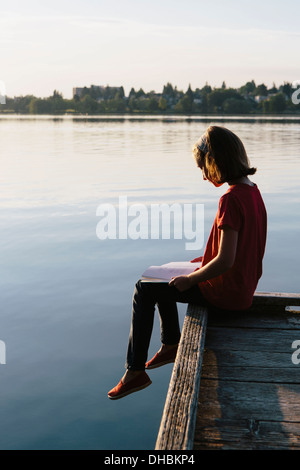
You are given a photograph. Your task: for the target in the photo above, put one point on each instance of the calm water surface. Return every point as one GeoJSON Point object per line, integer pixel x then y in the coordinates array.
{"type": "Point", "coordinates": [66, 295]}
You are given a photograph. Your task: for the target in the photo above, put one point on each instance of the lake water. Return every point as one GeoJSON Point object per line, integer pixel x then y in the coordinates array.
{"type": "Point", "coordinates": [66, 294]}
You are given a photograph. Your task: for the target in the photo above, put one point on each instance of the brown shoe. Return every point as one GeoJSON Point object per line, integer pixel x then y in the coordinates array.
{"type": "Point", "coordinates": [141, 381]}
{"type": "Point", "coordinates": [160, 359]}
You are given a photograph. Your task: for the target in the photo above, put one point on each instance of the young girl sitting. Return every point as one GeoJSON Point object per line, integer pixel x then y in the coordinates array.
{"type": "Point", "coordinates": [231, 264]}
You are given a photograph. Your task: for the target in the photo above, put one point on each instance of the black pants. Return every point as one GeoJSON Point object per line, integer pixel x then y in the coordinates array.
{"type": "Point", "coordinates": [146, 296]}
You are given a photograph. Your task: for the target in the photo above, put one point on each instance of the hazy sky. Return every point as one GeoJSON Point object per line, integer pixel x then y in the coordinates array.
{"type": "Point", "coordinates": [59, 44]}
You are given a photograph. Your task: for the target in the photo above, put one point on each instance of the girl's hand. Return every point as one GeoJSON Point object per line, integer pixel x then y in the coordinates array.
{"type": "Point", "coordinates": [181, 283]}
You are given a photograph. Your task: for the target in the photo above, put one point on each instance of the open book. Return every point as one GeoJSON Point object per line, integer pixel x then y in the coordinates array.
{"type": "Point", "coordinates": [165, 272]}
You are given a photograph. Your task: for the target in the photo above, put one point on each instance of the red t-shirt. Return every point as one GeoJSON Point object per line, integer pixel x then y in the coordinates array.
{"type": "Point", "coordinates": [242, 209]}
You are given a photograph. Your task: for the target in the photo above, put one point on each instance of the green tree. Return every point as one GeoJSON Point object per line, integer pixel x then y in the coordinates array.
{"type": "Point", "coordinates": [277, 103]}
{"type": "Point", "coordinates": [132, 93]}
{"type": "Point", "coordinates": [57, 95]}
{"type": "Point", "coordinates": [116, 105]}
{"type": "Point", "coordinates": [40, 106]}
{"type": "Point", "coordinates": [88, 105]}
{"type": "Point", "coordinates": [286, 89]}
{"type": "Point", "coordinates": [56, 103]}
{"type": "Point", "coordinates": [273, 89]}
{"type": "Point", "coordinates": [184, 105]}
{"type": "Point", "coordinates": [121, 93]}
{"type": "Point", "coordinates": [169, 91]}
{"type": "Point", "coordinates": [162, 104]}
{"type": "Point", "coordinates": [206, 90]}
{"type": "Point", "coordinates": [140, 93]}
{"type": "Point", "coordinates": [218, 96]}
{"type": "Point", "coordinates": [141, 104]}
{"type": "Point", "coordinates": [189, 94]}
{"type": "Point", "coordinates": [236, 106]}
{"type": "Point", "coordinates": [120, 105]}
{"type": "Point", "coordinates": [108, 93]}
{"type": "Point", "coordinates": [247, 89]}
{"type": "Point", "coordinates": [261, 90]}
{"type": "Point", "coordinates": [152, 105]}
{"type": "Point", "coordinates": [204, 104]}
{"type": "Point", "coordinates": [132, 103]}
{"type": "Point", "coordinates": [21, 104]}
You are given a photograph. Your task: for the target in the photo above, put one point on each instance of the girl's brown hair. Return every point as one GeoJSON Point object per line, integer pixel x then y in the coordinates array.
{"type": "Point", "coordinates": [224, 158]}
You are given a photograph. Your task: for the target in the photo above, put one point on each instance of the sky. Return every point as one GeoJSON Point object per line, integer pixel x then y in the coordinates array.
{"type": "Point", "coordinates": [61, 44]}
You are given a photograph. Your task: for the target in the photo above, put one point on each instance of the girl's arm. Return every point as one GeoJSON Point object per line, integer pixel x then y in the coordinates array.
{"type": "Point", "coordinates": [221, 263]}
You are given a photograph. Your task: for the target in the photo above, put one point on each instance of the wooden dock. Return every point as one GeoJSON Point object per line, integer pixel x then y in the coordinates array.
{"type": "Point", "coordinates": [234, 384]}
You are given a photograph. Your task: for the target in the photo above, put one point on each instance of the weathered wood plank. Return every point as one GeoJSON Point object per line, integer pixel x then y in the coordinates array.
{"type": "Point", "coordinates": [177, 426]}
{"type": "Point", "coordinates": [265, 318]}
{"type": "Point", "coordinates": [253, 339]}
{"type": "Point", "coordinates": [252, 374]}
{"type": "Point", "coordinates": [247, 400]}
{"type": "Point", "coordinates": [249, 359]}
{"type": "Point", "coordinates": [276, 298]}
{"type": "Point", "coordinates": [246, 434]}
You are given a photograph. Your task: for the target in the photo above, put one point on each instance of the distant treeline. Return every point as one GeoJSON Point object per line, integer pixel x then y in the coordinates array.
{"type": "Point", "coordinates": [248, 99]}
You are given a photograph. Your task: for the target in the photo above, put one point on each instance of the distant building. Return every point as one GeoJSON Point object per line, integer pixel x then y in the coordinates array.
{"type": "Point", "coordinates": [77, 91]}
{"type": "Point", "coordinates": [96, 91]}
{"type": "Point", "coordinates": [259, 98]}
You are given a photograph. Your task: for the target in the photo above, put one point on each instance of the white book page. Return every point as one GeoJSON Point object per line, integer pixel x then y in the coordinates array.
{"type": "Point", "coordinates": [167, 271]}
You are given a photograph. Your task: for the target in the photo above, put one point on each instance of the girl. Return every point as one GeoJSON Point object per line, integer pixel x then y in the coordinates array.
{"type": "Point", "coordinates": [231, 264]}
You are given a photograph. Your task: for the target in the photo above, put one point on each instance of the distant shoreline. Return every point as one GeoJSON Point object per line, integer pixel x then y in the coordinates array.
{"type": "Point", "coordinates": [247, 100]}
{"type": "Point", "coordinates": [163, 116]}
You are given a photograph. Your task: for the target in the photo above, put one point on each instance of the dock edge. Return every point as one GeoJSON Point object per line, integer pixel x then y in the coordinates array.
{"type": "Point", "coordinates": [178, 421]}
